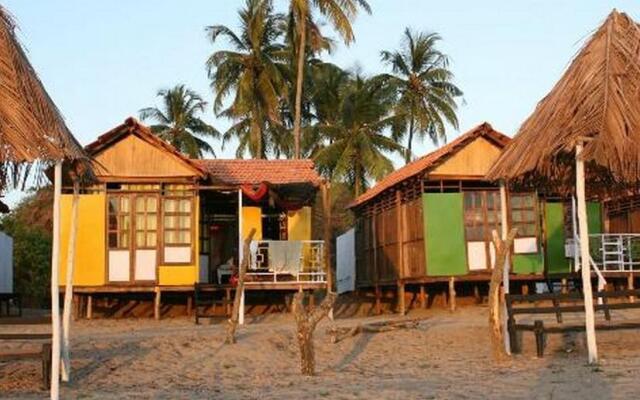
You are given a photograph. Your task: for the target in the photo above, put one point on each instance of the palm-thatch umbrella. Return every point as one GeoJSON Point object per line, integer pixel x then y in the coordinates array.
{"type": "Point", "coordinates": [33, 136]}
{"type": "Point", "coordinates": [590, 120]}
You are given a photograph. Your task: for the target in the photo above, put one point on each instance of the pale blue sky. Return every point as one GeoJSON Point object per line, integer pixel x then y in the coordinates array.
{"type": "Point", "coordinates": [102, 61]}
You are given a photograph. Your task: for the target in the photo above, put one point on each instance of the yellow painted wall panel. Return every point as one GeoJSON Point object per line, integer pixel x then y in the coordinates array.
{"type": "Point", "coordinates": [252, 218]}
{"type": "Point", "coordinates": [474, 159]}
{"type": "Point", "coordinates": [299, 224]}
{"type": "Point", "coordinates": [90, 257]}
{"type": "Point", "coordinates": [177, 275]}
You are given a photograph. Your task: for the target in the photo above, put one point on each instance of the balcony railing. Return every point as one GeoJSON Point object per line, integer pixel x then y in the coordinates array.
{"type": "Point", "coordinates": [286, 261]}
{"type": "Point", "coordinates": [612, 252]}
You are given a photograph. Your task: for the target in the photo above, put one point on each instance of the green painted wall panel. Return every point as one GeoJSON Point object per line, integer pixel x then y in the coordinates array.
{"type": "Point", "coordinates": [528, 263]}
{"type": "Point", "coordinates": [445, 249]}
{"type": "Point", "coordinates": [557, 263]}
{"type": "Point", "coordinates": [594, 218]}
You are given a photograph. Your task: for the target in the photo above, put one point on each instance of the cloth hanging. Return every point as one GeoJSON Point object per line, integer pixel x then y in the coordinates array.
{"type": "Point", "coordinates": [285, 256]}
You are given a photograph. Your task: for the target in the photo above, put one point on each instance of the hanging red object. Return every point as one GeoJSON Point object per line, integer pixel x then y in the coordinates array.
{"type": "Point", "coordinates": [255, 194]}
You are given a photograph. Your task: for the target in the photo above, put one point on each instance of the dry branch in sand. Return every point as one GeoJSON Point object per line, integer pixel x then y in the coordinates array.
{"type": "Point", "coordinates": [306, 323]}
{"type": "Point", "coordinates": [495, 326]}
{"type": "Point", "coordinates": [338, 334]}
{"type": "Point", "coordinates": [244, 264]}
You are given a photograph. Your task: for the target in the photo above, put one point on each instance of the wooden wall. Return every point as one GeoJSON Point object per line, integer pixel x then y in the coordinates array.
{"type": "Point", "coordinates": [389, 241]}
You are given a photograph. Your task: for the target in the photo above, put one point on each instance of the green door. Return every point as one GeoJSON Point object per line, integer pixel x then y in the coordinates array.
{"type": "Point", "coordinates": [557, 263]}
{"type": "Point", "coordinates": [445, 251]}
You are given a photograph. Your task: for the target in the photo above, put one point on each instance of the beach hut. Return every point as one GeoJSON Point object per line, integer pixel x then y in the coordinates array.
{"type": "Point", "coordinates": [156, 221]}
{"type": "Point", "coordinates": [33, 136]}
{"type": "Point", "coordinates": [583, 138]}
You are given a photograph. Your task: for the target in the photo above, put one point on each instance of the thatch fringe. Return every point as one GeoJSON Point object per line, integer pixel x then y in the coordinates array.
{"type": "Point", "coordinates": [31, 127]}
{"type": "Point", "coordinates": [597, 100]}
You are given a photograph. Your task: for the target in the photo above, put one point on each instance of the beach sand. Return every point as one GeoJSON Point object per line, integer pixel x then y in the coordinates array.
{"type": "Point", "coordinates": [446, 357]}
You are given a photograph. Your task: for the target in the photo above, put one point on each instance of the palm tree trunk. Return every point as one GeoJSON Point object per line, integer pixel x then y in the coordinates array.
{"type": "Point", "coordinates": [410, 141]}
{"type": "Point", "coordinates": [357, 182]}
{"type": "Point", "coordinates": [298, 112]}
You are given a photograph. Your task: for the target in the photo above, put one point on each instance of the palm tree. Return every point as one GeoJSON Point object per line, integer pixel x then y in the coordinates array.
{"type": "Point", "coordinates": [427, 96]}
{"type": "Point", "coordinates": [340, 14]}
{"type": "Point", "coordinates": [178, 121]}
{"type": "Point", "coordinates": [253, 71]}
{"type": "Point", "coordinates": [357, 146]}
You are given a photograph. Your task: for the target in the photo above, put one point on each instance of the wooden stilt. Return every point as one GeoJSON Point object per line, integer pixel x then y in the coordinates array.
{"type": "Point", "coordinates": [565, 286]}
{"type": "Point", "coordinates": [189, 305]}
{"type": "Point", "coordinates": [630, 286]}
{"type": "Point", "coordinates": [525, 289]}
{"type": "Point", "coordinates": [452, 294]}
{"type": "Point", "coordinates": [476, 294]}
{"type": "Point", "coordinates": [402, 307]}
{"type": "Point", "coordinates": [76, 307]}
{"type": "Point", "coordinates": [156, 304]}
{"type": "Point", "coordinates": [423, 297]}
{"type": "Point", "coordinates": [89, 306]}
{"type": "Point", "coordinates": [68, 290]}
{"type": "Point", "coordinates": [378, 306]}
{"type": "Point", "coordinates": [54, 390]}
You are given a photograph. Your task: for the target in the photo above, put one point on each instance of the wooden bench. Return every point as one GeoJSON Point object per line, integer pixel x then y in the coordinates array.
{"type": "Point", "coordinates": [7, 300]}
{"type": "Point", "coordinates": [205, 296]}
{"type": "Point", "coordinates": [557, 308]}
{"type": "Point", "coordinates": [43, 352]}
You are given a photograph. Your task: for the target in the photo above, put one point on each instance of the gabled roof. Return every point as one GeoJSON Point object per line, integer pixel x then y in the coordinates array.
{"type": "Point", "coordinates": [256, 171]}
{"type": "Point", "coordinates": [432, 160]}
{"type": "Point", "coordinates": [131, 126]}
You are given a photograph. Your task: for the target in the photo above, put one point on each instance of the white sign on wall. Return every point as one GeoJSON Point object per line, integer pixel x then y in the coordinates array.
{"type": "Point", "coordinates": [346, 261]}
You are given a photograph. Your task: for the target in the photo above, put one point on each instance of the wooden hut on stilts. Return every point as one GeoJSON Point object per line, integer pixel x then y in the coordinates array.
{"type": "Point", "coordinates": [33, 137]}
{"type": "Point", "coordinates": [583, 139]}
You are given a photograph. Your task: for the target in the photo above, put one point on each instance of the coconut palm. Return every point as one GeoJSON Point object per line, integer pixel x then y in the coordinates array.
{"type": "Point", "coordinates": [253, 72]}
{"type": "Point", "coordinates": [340, 13]}
{"type": "Point", "coordinates": [357, 146]}
{"type": "Point", "coordinates": [178, 121]}
{"type": "Point", "coordinates": [427, 96]}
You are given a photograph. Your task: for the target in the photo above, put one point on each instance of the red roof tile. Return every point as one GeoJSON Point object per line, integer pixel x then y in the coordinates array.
{"type": "Point", "coordinates": [431, 160]}
{"type": "Point", "coordinates": [254, 171]}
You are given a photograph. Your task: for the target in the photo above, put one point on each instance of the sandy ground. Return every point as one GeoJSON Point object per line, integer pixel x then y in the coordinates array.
{"type": "Point", "coordinates": [447, 357]}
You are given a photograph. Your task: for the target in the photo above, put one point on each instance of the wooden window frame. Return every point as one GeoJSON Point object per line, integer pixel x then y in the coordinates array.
{"type": "Point", "coordinates": [186, 194]}
{"type": "Point", "coordinates": [145, 214]}
{"type": "Point", "coordinates": [119, 214]}
{"type": "Point", "coordinates": [485, 224]}
{"type": "Point", "coordinates": [535, 222]}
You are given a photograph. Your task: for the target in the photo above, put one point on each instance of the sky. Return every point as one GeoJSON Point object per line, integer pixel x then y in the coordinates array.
{"type": "Point", "coordinates": [103, 60]}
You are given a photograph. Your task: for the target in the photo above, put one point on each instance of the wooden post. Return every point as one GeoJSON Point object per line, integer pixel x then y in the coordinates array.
{"type": "Point", "coordinates": [400, 235]}
{"type": "Point", "coordinates": [452, 294]}
{"type": "Point", "coordinates": [423, 297]}
{"type": "Point", "coordinates": [238, 302]}
{"type": "Point", "coordinates": [402, 307]}
{"type": "Point", "coordinates": [495, 323]}
{"type": "Point", "coordinates": [306, 323]}
{"type": "Point", "coordinates": [89, 306]}
{"type": "Point", "coordinates": [55, 281]}
{"type": "Point", "coordinates": [378, 306]}
{"type": "Point", "coordinates": [228, 298]}
{"type": "Point", "coordinates": [68, 289]}
{"type": "Point", "coordinates": [585, 256]}
{"type": "Point", "coordinates": [326, 212]}
{"type": "Point", "coordinates": [504, 223]}
{"type": "Point", "coordinates": [564, 286]}
{"type": "Point", "coordinates": [630, 286]}
{"type": "Point", "coordinates": [189, 305]}
{"type": "Point", "coordinates": [157, 303]}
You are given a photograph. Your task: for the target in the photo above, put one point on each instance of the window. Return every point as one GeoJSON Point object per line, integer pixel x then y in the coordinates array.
{"type": "Point", "coordinates": [524, 214]}
{"type": "Point", "coordinates": [481, 215]}
{"type": "Point", "coordinates": [146, 223]}
{"type": "Point", "coordinates": [177, 221]}
{"type": "Point", "coordinates": [119, 226]}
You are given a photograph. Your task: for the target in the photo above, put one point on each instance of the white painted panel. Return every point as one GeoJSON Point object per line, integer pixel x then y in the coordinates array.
{"type": "Point", "coordinates": [346, 261]}
{"type": "Point", "coordinates": [204, 268]}
{"type": "Point", "coordinates": [477, 256]}
{"type": "Point", "coordinates": [145, 266]}
{"type": "Point", "coordinates": [6, 263]}
{"type": "Point", "coordinates": [177, 254]}
{"type": "Point", "coordinates": [119, 265]}
{"type": "Point", "coordinates": [525, 245]}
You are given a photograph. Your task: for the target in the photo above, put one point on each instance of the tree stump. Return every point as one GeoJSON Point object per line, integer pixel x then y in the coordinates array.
{"type": "Point", "coordinates": [495, 326]}
{"type": "Point", "coordinates": [306, 323]}
{"type": "Point", "coordinates": [244, 264]}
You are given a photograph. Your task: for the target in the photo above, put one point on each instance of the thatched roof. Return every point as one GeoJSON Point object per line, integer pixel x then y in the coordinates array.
{"type": "Point", "coordinates": [597, 100]}
{"type": "Point", "coordinates": [31, 127]}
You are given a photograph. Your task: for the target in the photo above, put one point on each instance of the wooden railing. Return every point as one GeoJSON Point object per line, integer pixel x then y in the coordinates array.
{"type": "Point", "coordinates": [286, 261]}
